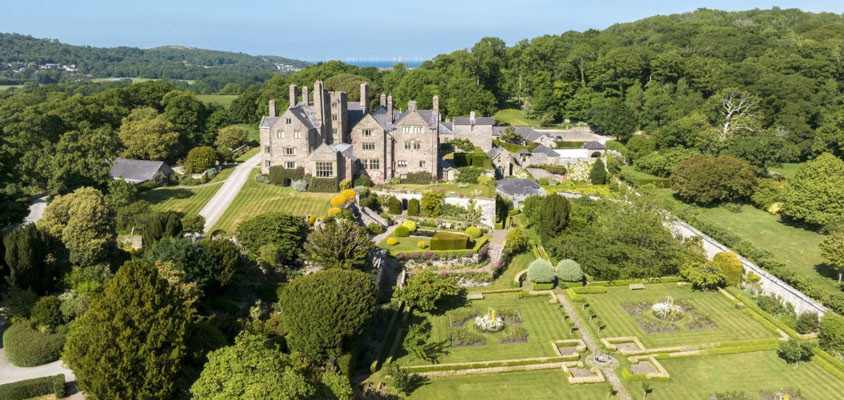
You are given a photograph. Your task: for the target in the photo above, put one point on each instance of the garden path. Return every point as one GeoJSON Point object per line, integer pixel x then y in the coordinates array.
{"type": "Point", "coordinates": [609, 369]}
{"type": "Point", "coordinates": [496, 245]}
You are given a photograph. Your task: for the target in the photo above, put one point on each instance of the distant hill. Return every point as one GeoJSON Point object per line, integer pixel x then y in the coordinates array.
{"type": "Point", "coordinates": [24, 58]}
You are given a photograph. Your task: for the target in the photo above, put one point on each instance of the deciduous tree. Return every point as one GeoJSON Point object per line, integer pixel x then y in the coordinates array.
{"type": "Point", "coordinates": [284, 231]}
{"type": "Point", "coordinates": [148, 136]}
{"type": "Point", "coordinates": [816, 193]}
{"type": "Point", "coordinates": [83, 222]}
{"type": "Point", "coordinates": [339, 244]}
{"type": "Point", "coordinates": [425, 289]}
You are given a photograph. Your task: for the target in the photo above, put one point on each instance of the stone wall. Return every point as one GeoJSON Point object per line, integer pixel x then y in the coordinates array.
{"type": "Point", "coordinates": [487, 205]}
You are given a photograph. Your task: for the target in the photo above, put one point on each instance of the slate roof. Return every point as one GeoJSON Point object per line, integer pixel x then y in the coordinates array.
{"type": "Point", "coordinates": [137, 170]}
{"type": "Point", "coordinates": [428, 115]}
{"type": "Point", "coordinates": [345, 149]}
{"type": "Point", "coordinates": [305, 114]}
{"type": "Point", "coordinates": [380, 115]}
{"type": "Point", "coordinates": [531, 136]}
{"type": "Point", "coordinates": [478, 121]}
{"type": "Point", "coordinates": [494, 152]}
{"type": "Point", "coordinates": [523, 152]}
{"type": "Point", "coordinates": [541, 149]}
{"type": "Point", "coordinates": [522, 187]}
{"type": "Point", "coordinates": [267, 122]}
{"type": "Point", "coordinates": [446, 127]}
{"type": "Point", "coordinates": [496, 130]}
{"type": "Point", "coordinates": [594, 145]}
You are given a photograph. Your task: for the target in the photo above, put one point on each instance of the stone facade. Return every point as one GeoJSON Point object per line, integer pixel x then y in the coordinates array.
{"type": "Point", "coordinates": [381, 143]}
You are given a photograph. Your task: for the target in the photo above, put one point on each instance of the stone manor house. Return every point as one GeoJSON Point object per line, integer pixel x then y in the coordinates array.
{"type": "Point", "coordinates": [331, 137]}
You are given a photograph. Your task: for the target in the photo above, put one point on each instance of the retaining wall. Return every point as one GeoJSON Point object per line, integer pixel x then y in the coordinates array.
{"type": "Point", "coordinates": [487, 205]}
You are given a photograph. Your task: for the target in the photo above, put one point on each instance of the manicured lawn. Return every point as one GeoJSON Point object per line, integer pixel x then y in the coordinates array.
{"type": "Point", "coordinates": [224, 100]}
{"type": "Point", "coordinates": [794, 246]}
{"type": "Point", "coordinates": [540, 318]}
{"type": "Point", "coordinates": [183, 199]}
{"type": "Point", "coordinates": [698, 377]}
{"type": "Point", "coordinates": [732, 324]}
{"type": "Point", "coordinates": [544, 384]}
{"type": "Point", "coordinates": [411, 243]}
{"type": "Point", "coordinates": [504, 281]}
{"type": "Point", "coordinates": [580, 187]}
{"type": "Point", "coordinates": [224, 174]}
{"type": "Point", "coordinates": [517, 117]}
{"type": "Point", "coordinates": [787, 169]}
{"type": "Point", "coordinates": [470, 190]}
{"type": "Point", "coordinates": [260, 198]}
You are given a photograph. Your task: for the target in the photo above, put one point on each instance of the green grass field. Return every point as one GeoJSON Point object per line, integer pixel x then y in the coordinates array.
{"type": "Point", "coordinates": [260, 198]}
{"type": "Point", "coordinates": [448, 187]}
{"type": "Point", "coordinates": [732, 323]}
{"type": "Point", "coordinates": [794, 246]}
{"type": "Point", "coordinates": [253, 131]}
{"type": "Point", "coordinates": [5, 87]}
{"type": "Point", "coordinates": [245, 156]}
{"type": "Point", "coordinates": [530, 385]}
{"type": "Point", "coordinates": [788, 169]}
{"type": "Point", "coordinates": [504, 281]}
{"type": "Point", "coordinates": [224, 100]}
{"type": "Point", "coordinates": [515, 117]}
{"type": "Point", "coordinates": [698, 377]}
{"type": "Point", "coordinates": [183, 199]}
{"type": "Point", "coordinates": [540, 319]}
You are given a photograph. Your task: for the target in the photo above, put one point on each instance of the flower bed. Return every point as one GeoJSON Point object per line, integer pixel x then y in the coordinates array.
{"type": "Point", "coordinates": [514, 334]}
{"type": "Point", "coordinates": [457, 318]}
{"type": "Point", "coordinates": [463, 337]}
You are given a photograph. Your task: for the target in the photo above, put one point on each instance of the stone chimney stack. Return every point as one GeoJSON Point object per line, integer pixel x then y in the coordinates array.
{"type": "Point", "coordinates": [411, 105]}
{"type": "Point", "coordinates": [292, 98]}
{"type": "Point", "coordinates": [272, 108]}
{"type": "Point", "coordinates": [383, 100]}
{"type": "Point", "coordinates": [305, 99]}
{"type": "Point", "coordinates": [319, 102]}
{"type": "Point", "coordinates": [471, 118]}
{"type": "Point", "coordinates": [436, 104]}
{"type": "Point", "coordinates": [364, 96]}
{"type": "Point", "coordinates": [390, 109]}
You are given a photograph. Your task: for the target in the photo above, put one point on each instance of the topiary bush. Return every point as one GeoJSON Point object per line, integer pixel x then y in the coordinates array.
{"type": "Point", "coordinates": [402, 231]}
{"type": "Point", "coordinates": [338, 200]}
{"type": "Point", "coordinates": [392, 241]}
{"type": "Point", "coordinates": [37, 387]}
{"type": "Point", "coordinates": [334, 211]}
{"type": "Point", "coordinates": [345, 184]}
{"type": "Point", "coordinates": [569, 271]}
{"type": "Point", "coordinates": [27, 347]}
{"type": "Point", "coordinates": [350, 194]}
{"type": "Point", "coordinates": [413, 207]}
{"type": "Point", "coordinates": [473, 232]}
{"type": "Point", "coordinates": [422, 244]}
{"type": "Point", "coordinates": [449, 241]}
{"type": "Point", "coordinates": [374, 228]}
{"type": "Point", "coordinates": [393, 205]}
{"type": "Point", "coordinates": [410, 225]}
{"type": "Point", "coordinates": [540, 271]}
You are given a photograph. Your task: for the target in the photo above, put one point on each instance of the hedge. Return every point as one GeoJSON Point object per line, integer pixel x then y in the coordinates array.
{"type": "Point", "coordinates": [473, 232]}
{"type": "Point", "coordinates": [829, 363]}
{"type": "Point", "coordinates": [402, 231]}
{"type": "Point", "coordinates": [755, 307]}
{"type": "Point", "coordinates": [449, 241]}
{"type": "Point", "coordinates": [573, 296]}
{"type": "Point", "coordinates": [542, 286]}
{"type": "Point", "coordinates": [279, 175]}
{"type": "Point", "coordinates": [625, 282]}
{"type": "Point", "coordinates": [27, 347]}
{"type": "Point", "coordinates": [418, 178]}
{"type": "Point", "coordinates": [413, 207]}
{"type": "Point", "coordinates": [346, 362]}
{"type": "Point", "coordinates": [324, 185]}
{"type": "Point", "coordinates": [489, 364]}
{"type": "Point", "coordinates": [34, 388]}
{"type": "Point", "coordinates": [589, 289]}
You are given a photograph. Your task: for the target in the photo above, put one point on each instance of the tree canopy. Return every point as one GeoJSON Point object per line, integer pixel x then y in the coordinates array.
{"type": "Point", "coordinates": [339, 244]}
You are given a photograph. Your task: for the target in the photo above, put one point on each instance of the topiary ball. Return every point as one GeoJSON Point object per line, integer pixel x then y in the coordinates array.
{"type": "Point", "coordinates": [349, 194]}
{"type": "Point", "coordinates": [473, 232]}
{"type": "Point", "coordinates": [338, 200]}
{"type": "Point", "coordinates": [540, 271]}
{"type": "Point", "coordinates": [569, 271]}
{"type": "Point", "coordinates": [410, 225]}
{"type": "Point", "coordinates": [392, 241]}
{"type": "Point", "coordinates": [334, 211]}
{"type": "Point", "coordinates": [422, 244]}
{"type": "Point", "coordinates": [402, 231]}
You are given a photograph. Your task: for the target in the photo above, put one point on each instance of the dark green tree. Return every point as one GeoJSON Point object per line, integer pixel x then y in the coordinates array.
{"type": "Point", "coordinates": [33, 259]}
{"type": "Point", "coordinates": [598, 173]}
{"type": "Point", "coordinates": [131, 342]}
{"type": "Point", "coordinates": [284, 231]}
{"type": "Point", "coordinates": [425, 289]}
{"type": "Point", "coordinates": [553, 216]}
{"type": "Point", "coordinates": [227, 259]}
{"type": "Point", "coordinates": [339, 244]}
{"type": "Point", "coordinates": [196, 262]}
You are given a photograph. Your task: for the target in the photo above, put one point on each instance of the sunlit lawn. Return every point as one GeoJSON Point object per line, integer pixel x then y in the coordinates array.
{"type": "Point", "coordinates": [544, 384]}
{"type": "Point", "coordinates": [448, 188]}
{"type": "Point", "coordinates": [224, 100]}
{"type": "Point", "coordinates": [183, 199]}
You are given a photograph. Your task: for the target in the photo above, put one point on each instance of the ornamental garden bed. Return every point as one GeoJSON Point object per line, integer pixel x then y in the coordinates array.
{"type": "Point", "coordinates": [707, 317]}
{"type": "Point", "coordinates": [530, 325]}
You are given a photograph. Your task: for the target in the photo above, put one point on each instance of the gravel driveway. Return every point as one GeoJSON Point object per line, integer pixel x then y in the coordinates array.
{"type": "Point", "coordinates": [218, 204]}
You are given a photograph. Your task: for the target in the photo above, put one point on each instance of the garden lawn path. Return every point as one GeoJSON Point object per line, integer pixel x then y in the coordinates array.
{"type": "Point", "coordinates": [218, 204]}
{"type": "Point", "coordinates": [608, 370]}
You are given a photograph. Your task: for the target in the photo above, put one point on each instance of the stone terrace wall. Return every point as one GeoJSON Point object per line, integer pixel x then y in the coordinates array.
{"type": "Point", "coordinates": [487, 205]}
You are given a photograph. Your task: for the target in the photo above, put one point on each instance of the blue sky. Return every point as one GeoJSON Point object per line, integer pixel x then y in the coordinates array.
{"type": "Point", "coordinates": [335, 29]}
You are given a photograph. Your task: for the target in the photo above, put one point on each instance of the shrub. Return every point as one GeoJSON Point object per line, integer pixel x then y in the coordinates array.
{"type": "Point", "coordinates": [418, 178]}
{"type": "Point", "coordinates": [47, 312]}
{"type": "Point", "coordinates": [807, 323]}
{"type": "Point", "coordinates": [816, 192]}
{"type": "Point", "coordinates": [540, 271]}
{"type": "Point", "coordinates": [449, 241]}
{"type": "Point", "coordinates": [300, 185]}
{"type": "Point", "coordinates": [569, 271]}
{"type": "Point", "coordinates": [832, 332]}
{"type": "Point", "coordinates": [413, 207]}
{"type": "Point", "coordinates": [338, 200]}
{"type": "Point", "coordinates": [541, 286]}
{"type": "Point", "coordinates": [469, 174]}
{"type": "Point", "coordinates": [410, 225]}
{"type": "Point", "coordinates": [767, 192]}
{"type": "Point", "coordinates": [200, 158]}
{"type": "Point", "coordinates": [362, 180]}
{"type": "Point", "coordinates": [598, 174]}
{"type": "Point", "coordinates": [422, 244]}
{"type": "Point", "coordinates": [703, 276]}
{"type": "Point", "coordinates": [278, 175]}
{"type": "Point", "coordinates": [707, 180]}
{"type": "Point", "coordinates": [261, 178]}
{"type": "Point", "coordinates": [516, 241]}
{"type": "Point", "coordinates": [374, 228]}
{"type": "Point", "coordinates": [27, 347]}
{"type": "Point", "coordinates": [345, 184]}
{"type": "Point", "coordinates": [349, 194]}
{"type": "Point", "coordinates": [473, 232]}
{"type": "Point", "coordinates": [661, 163]}
{"type": "Point", "coordinates": [402, 231]}
{"type": "Point", "coordinates": [392, 241]}
{"type": "Point", "coordinates": [31, 388]}
{"type": "Point", "coordinates": [729, 265]}
{"type": "Point", "coordinates": [432, 204]}
{"type": "Point", "coordinates": [393, 205]}
{"type": "Point", "coordinates": [323, 185]}
{"type": "Point", "coordinates": [334, 211]}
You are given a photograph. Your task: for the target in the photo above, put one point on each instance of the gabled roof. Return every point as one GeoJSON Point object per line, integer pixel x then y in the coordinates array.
{"type": "Point", "coordinates": [305, 114]}
{"type": "Point", "coordinates": [137, 170]}
{"type": "Point", "coordinates": [496, 130]}
{"type": "Point", "coordinates": [496, 151]}
{"type": "Point", "coordinates": [446, 127]}
{"type": "Point", "coordinates": [523, 187]}
{"type": "Point", "coordinates": [541, 149]}
{"type": "Point", "coordinates": [267, 122]}
{"type": "Point", "coordinates": [478, 121]}
{"type": "Point", "coordinates": [532, 135]}
{"type": "Point", "coordinates": [594, 145]}
{"type": "Point", "coordinates": [523, 152]}
{"type": "Point", "coordinates": [345, 149]}
{"type": "Point", "coordinates": [428, 115]}
{"type": "Point", "coordinates": [380, 115]}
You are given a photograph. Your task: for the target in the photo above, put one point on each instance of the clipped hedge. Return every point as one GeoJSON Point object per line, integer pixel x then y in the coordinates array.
{"type": "Point", "coordinates": [324, 185]}
{"type": "Point", "coordinates": [448, 241]}
{"type": "Point", "coordinates": [764, 315]}
{"type": "Point", "coordinates": [418, 178]}
{"type": "Point", "coordinates": [589, 289]}
{"type": "Point", "coordinates": [828, 362]}
{"type": "Point", "coordinates": [413, 207]}
{"type": "Point", "coordinates": [34, 388]}
{"type": "Point", "coordinates": [27, 347]}
{"type": "Point", "coordinates": [489, 364]}
{"type": "Point", "coordinates": [541, 286]}
{"type": "Point", "coordinates": [402, 231]}
{"type": "Point", "coordinates": [279, 175]}
{"type": "Point", "coordinates": [473, 232]}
